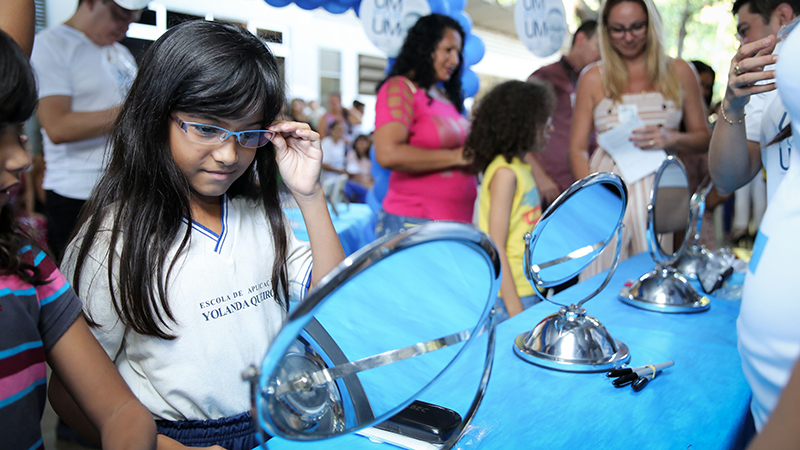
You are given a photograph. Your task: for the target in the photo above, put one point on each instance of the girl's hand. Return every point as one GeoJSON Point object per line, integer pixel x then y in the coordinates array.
{"type": "Point", "coordinates": [299, 156]}
{"type": "Point", "coordinates": [747, 68]}
{"type": "Point", "coordinates": [653, 137]}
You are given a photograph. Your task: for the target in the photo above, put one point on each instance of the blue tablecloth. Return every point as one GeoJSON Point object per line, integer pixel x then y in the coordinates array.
{"type": "Point", "coordinates": [355, 225]}
{"type": "Point", "coordinates": [700, 403]}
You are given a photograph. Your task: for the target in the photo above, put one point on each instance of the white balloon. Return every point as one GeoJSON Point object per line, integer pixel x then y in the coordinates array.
{"type": "Point", "coordinates": [386, 22]}
{"type": "Point", "coordinates": [541, 25]}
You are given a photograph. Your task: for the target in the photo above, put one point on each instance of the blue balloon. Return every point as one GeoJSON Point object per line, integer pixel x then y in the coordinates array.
{"type": "Point", "coordinates": [308, 5]}
{"type": "Point", "coordinates": [470, 83]}
{"type": "Point", "coordinates": [456, 6]}
{"type": "Point", "coordinates": [439, 6]}
{"type": "Point", "coordinates": [357, 8]}
{"type": "Point", "coordinates": [278, 3]}
{"type": "Point", "coordinates": [355, 4]}
{"type": "Point", "coordinates": [474, 49]}
{"type": "Point", "coordinates": [335, 8]}
{"type": "Point", "coordinates": [464, 20]}
{"type": "Point", "coordinates": [389, 63]}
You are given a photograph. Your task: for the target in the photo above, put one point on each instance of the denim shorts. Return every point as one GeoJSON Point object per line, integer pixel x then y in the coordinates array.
{"type": "Point", "coordinates": [232, 433]}
{"type": "Point", "coordinates": [391, 223]}
{"type": "Point", "coordinates": [500, 312]}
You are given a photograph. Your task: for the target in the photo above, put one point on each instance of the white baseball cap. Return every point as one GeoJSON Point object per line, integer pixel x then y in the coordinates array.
{"type": "Point", "coordinates": [132, 5]}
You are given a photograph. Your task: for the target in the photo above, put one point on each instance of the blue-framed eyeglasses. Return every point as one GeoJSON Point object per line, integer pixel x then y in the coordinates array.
{"type": "Point", "coordinates": [214, 135]}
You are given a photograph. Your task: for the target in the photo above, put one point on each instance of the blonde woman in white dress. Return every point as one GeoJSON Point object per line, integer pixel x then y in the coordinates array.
{"type": "Point", "coordinates": [635, 76]}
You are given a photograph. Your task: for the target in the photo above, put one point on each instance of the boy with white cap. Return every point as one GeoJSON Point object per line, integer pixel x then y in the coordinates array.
{"type": "Point", "coordinates": [83, 76]}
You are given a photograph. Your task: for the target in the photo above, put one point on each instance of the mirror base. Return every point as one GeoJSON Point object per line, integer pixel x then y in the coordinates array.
{"type": "Point", "coordinates": [692, 261]}
{"type": "Point", "coordinates": [664, 290]}
{"type": "Point", "coordinates": [571, 341]}
{"type": "Point", "coordinates": [621, 357]}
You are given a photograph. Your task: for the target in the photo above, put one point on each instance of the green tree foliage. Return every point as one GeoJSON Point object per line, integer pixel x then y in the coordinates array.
{"type": "Point", "coordinates": [702, 30]}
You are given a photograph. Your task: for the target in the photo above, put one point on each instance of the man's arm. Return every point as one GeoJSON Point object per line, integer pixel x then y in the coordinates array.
{"type": "Point", "coordinates": [62, 124]}
{"type": "Point", "coordinates": [733, 160]}
{"type": "Point", "coordinates": [18, 20]}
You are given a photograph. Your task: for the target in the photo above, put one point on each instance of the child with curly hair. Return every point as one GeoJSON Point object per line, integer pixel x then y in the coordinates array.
{"type": "Point", "coordinates": [510, 122]}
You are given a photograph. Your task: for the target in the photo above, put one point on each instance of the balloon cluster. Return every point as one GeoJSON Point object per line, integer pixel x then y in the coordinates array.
{"type": "Point", "coordinates": [474, 49]}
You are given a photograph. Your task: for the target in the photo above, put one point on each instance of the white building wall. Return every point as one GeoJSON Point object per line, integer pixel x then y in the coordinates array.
{"type": "Point", "coordinates": [306, 32]}
{"type": "Point", "coordinates": [507, 57]}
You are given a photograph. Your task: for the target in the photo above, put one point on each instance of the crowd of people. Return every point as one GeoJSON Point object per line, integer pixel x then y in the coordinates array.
{"type": "Point", "coordinates": [163, 182]}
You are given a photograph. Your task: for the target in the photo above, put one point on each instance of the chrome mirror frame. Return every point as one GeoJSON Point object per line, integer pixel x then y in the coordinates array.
{"type": "Point", "coordinates": [571, 340]}
{"type": "Point", "coordinates": [693, 256]}
{"type": "Point", "coordinates": [532, 238]}
{"type": "Point", "coordinates": [299, 320]}
{"type": "Point", "coordinates": [663, 289]}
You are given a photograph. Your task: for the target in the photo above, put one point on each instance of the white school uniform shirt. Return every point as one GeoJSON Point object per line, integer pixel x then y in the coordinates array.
{"type": "Point", "coordinates": [68, 63]}
{"type": "Point", "coordinates": [225, 316]}
{"type": "Point", "coordinates": [767, 331]}
{"type": "Point", "coordinates": [775, 157]}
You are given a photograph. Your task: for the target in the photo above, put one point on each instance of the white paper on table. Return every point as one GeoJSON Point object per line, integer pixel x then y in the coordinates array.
{"type": "Point", "coordinates": [398, 440]}
{"type": "Point", "coordinates": [633, 162]}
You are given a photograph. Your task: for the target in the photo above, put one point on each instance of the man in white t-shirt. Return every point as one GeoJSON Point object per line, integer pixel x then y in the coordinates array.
{"type": "Point", "coordinates": [736, 156]}
{"type": "Point", "coordinates": [768, 347]}
{"type": "Point", "coordinates": [83, 75]}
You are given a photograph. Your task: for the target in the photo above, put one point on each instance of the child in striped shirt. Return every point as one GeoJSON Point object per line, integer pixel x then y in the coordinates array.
{"type": "Point", "coordinates": [40, 315]}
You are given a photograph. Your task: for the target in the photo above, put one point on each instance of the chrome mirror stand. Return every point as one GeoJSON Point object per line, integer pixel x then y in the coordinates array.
{"type": "Point", "coordinates": [665, 289]}
{"type": "Point", "coordinates": [693, 256]}
{"type": "Point", "coordinates": [571, 340]}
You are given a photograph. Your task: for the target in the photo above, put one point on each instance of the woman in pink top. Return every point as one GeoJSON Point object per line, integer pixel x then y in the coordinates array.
{"type": "Point", "coordinates": [420, 130]}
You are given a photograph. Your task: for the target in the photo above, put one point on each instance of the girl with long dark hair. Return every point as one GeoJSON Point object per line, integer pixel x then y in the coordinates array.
{"type": "Point", "coordinates": [184, 258]}
{"type": "Point", "coordinates": [420, 130]}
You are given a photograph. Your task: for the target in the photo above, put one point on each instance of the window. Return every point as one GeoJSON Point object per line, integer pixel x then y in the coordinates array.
{"type": "Point", "coordinates": [41, 15]}
{"type": "Point", "coordinates": [176, 18]}
{"type": "Point", "coordinates": [271, 36]}
{"type": "Point", "coordinates": [281, 67]}
{"type": "Point", "coordinates": [232, 22]}
{"type": "Point", "coordinates": [330, 72]}
{"type": "Point", "coordinates": [371, 71]}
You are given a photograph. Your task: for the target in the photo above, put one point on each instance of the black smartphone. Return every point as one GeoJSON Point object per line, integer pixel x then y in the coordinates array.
{"type": "Point", "coordinates": [423, 421]}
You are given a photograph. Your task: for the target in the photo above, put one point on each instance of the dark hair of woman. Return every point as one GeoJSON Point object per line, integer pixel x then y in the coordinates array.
{"type": "Point", "coordinates": [509, 122]}
{"type": "Point", "coordinates": [362, 138]}
{"type": "Point", "coordinates": [201, 68]}
{"type": "Point", "coordinates": [18, 100]}
{"type": "Point", "coordinates": [785, 133]}
{"type": "Point", "coordinates": [415, 60]}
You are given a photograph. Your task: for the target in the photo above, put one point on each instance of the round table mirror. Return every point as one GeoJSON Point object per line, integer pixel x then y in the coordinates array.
{"type": "Point", "coordinates": [571, 234]}
{"type": "Point", "coordinates": [664, 289]}
{"type": "Point", "coordinates": [377, 331]}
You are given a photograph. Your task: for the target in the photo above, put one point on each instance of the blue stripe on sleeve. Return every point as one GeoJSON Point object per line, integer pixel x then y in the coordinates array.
{"type": "Point", "coordinates": [9, 400]}
{"type": "Point", "coordinates": [758, 249]}
{"type": "Point", "coordinates": [39, 258]}
{"type": "Point", "coordinates": [20, 348]}
{"type": "Point", "coordinates": [307, 281]}
{"type": "Point", "coordinates": [19, 293]}
{"type": "Point", "coordinates": [55, 295]}
{"type": "Point", "coordinates": [38, 444]}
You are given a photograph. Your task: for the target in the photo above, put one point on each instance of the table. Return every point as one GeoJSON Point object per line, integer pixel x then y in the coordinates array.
{"type": "Point", "coordinates": [355, 225]}
{"type": "Point", "coordinates": [700, 403]}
